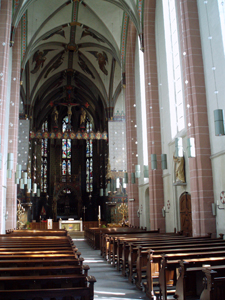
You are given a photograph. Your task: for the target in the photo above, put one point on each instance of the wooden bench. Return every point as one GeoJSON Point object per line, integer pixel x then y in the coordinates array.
{"type": "Point", "coordinates": [214, 287]}
{"type": "Point", "coordinates": [190, 281]}
{"type": "Point", "coordinates": [169, 265]}
{"type": "Point", "coordinates": [135, 253]}
{"type": "Point", "coordinates": [107, 234]}
{"type": "Point", "coordinates": [32, 266]}
{"type": "Point", "coordinates": [111, 241]}
{"type": "Point", "coordinates": [123, 244]}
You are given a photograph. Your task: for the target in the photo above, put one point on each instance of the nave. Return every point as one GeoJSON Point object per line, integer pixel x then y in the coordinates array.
{"type": "Point", "coordinates": [110, 284]}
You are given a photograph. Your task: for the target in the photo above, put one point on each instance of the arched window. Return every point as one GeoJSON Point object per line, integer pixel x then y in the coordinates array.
{"type": "Point", "coordinates": [66, 150]}
{"type": "Point", "coordinates": [173, 67]}
{"type": "Point", "coordinates": [89, 160]}
{"type": "Point", "coordinates": [44, 160]}
{"type": "Point", "coordinates": [221, 7]}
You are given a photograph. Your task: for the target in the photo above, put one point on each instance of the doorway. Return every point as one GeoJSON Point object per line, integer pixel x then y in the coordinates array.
{"type": "Point", "coordinates": [185, 214]}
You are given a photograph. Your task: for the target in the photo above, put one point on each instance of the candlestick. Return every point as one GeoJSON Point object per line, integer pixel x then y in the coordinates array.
{"type": "Point", "coordinates": [99, 212]}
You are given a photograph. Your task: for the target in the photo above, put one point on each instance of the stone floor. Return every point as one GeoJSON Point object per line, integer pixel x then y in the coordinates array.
{"type": "Point", "coordinates": [110, 283]}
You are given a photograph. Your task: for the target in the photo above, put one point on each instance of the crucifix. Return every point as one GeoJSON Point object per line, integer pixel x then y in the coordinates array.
{"type": "Point", "coordinates": [84, 208]}
{"type": "Point", "coordinates": [69, 106]}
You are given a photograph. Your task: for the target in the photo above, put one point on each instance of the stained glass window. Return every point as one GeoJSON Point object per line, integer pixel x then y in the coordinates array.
{"type": "Point", "coordinates": [66, 150]}
{"type": "Point", "coordinates": [44, 160]}
{"type": "Point", "coordinates": [89, 160]}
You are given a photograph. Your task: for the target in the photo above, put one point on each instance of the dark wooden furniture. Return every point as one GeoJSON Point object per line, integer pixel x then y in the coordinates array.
{"type": "Point", "coordinates": [44, 265]}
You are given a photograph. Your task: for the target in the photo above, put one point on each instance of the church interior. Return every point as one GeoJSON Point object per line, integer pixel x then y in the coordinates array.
{"type": "Point", "coordinates": [112, 113]}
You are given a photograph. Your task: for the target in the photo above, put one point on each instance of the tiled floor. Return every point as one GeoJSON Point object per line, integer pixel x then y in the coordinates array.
{"type": "Point", "coordinates": [110, 283]}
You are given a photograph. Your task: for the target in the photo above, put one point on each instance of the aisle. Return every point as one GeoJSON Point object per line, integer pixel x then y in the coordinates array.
{"type": "Point", "coordinates": [110, 283]}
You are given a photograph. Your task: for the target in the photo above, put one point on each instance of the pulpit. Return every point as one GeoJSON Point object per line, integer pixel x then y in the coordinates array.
{"type": "Point", "coordinates": [71, 225]}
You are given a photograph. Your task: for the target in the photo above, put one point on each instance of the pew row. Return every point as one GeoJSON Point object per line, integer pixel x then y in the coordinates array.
{"type": "Point", "coordinates": [42, 267]}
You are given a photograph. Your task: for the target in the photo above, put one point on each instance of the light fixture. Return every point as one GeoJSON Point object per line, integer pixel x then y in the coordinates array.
{"type": "Point", "coordinates": [137, 171]}
{"type": "Point", "coordinates": [34, 188]}
{"type": "Point", "coordinates": [21, 184]}
{"type": "Point", "coordinates": [133, 178]}
{"type": "Point", "coordinates": [18, 171]}
{"type": "Point", "coordinates": [219, 122]}
{"type": "Point", "coordinates": [10, 161]}
{"type": "Point", "coordinates": [117, 183]}
{"type": "Point", "coordinates": [101, 192]}
{"type": "Point", "coordinates": [108, 187]}
{"type": "Point", "coordinates": [38, 192]}
{"type": "Point", "coordinates": [153, 162]}
{"type": "Point", "coordinates": [9, 174]}
{"type": "Point", "coordinates": [17, 181]}
{"type": "Point", "coordinates": [191, 147]}
{"type": "Point", "coordinates": [146, 174]}
{"type": "Point", "coordinates": [6, 215]}
{"type": "Point", "coordinates": [28, 184]}
{"type": "Point", "coordinates": [24, 177]}
{"type": "Point", "coordinates": [178, 147]}
{"type": "Point", "coordinates": [125, 179]}
{"type": "Point", "coordinates": [163, 161]}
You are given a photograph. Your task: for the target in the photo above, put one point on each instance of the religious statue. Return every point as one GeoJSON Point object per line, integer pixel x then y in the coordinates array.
{"type": "Point", "coordinates": [82, 118]}
{"type": "Point", "coordinates": [69, 111]}
{"type": "Point", "coordinates": [179, 169]}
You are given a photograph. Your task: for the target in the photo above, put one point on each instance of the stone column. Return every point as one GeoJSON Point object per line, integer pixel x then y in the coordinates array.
{"type": "Point", "coordinates": [131, 130]}
{"type": "Point", "coordinates": [11, 196]}
{"type": "Point", "coordinates": [156, 196]}
{"type": "Point", "coordinates": [201, 180]}
{"type": "Point", "coordinates": [5, 28]}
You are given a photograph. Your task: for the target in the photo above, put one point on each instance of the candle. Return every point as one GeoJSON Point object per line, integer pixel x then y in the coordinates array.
{"type": "Point", "coordinates": [99, 212]}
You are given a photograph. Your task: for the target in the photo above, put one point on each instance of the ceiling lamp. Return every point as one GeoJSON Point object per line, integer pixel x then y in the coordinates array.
{"type": "Point", "coordinates": [133, 178]}
{"type": "Point", "coordinates": [10, 161]}
{"type": "Point", "coordinates": [219, 122]}
{"type": "Point", "coordinates": [18, 171]}
{"type": "Point", "coordinates": [101, 192]}
{"type": "Point", "coordinates": [24, 177]}
{"type": "Point", "coordinates": [191, 147]}
{"type": "Point", "coordinates": [137, 171]}
{"type": "Point", "coordinates": [178, 147]}
{"type": "Point", "coordinates": [125, 178]}
{"type": "Point", "coordinates": [153, 161]}
{"type": "Point", "coordinates": [146, 174]}
{"type": "Point", "coordinates": [21, 184]}
{"type": "Point", "coordinates": [163, 161]}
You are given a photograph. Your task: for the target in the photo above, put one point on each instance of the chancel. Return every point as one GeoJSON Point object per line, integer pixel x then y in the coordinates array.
{"type": "Point", "coordinates": [105, 101]}
{"type": "Point", "coordinates": [112, 130]}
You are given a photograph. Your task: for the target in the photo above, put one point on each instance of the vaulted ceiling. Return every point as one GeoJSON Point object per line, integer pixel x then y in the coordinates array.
{"type": "Point", "coordinates": [73, 52]}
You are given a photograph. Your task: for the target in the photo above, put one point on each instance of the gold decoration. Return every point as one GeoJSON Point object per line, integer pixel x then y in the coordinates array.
{"type": "Point", "coordinates": [20, 213]}
{"type": "Point", "coordinates": [123, 210]}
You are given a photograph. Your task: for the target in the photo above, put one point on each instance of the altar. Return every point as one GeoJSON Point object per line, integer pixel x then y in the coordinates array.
{"type": "Point", "coordinates": [71, 225]}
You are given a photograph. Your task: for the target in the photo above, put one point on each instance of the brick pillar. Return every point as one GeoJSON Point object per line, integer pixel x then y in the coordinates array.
{"type": "Point", "coordinates": [131, 130]}
{"type": "Point", "coordinates": [156, 196]}
{"type": "Point", "coordinates": [11, 196]}
{"type": "Point", "coordinates": [201, 180]}
{"type": "Point", "coordinates": [5, 27]}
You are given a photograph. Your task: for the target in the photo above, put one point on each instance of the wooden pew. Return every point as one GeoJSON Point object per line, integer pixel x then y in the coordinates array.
{"type": "Point", "coordinates": [136, 253]}
{"type": "Point", "coordinates": [123, 243]}
{"type": "Point", "coordinates": [106, 237]}
{"type": "Point", "coordinates": [214, 287]}
{"type": "Point", "coordinates": [169, 265]}
{"type": "Point", "coordinates": [38, 268]}
{"type": "Point", "coordinates": [189, 273]}
{"type": "Point", "coordinates": [84, 293]}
